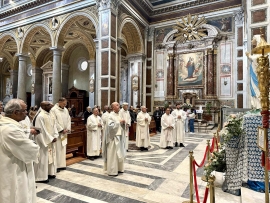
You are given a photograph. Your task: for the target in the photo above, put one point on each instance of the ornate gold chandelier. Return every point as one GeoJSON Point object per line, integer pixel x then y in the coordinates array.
{"type": "Point", "coordinates": [189, 29]}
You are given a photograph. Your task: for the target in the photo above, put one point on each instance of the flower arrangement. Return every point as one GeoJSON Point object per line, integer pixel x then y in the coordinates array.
{"type": "Point", "coordinates": [232, 127]}
{"type": "Point", "coordinates": [217, 163]}
{"type": "Point", "coordinates": [186, 106]}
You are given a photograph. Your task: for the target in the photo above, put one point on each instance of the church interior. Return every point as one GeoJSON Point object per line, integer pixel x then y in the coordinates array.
{"type": "Point", "coordinates": [153, 53]}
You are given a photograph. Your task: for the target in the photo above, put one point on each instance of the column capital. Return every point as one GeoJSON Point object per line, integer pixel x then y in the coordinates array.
{"type": "Point", "coordinates": [91, 62]}
{"type": "Point", "coordinates": [22, 56]}
{"type": "Point", "coordinates": [57, 50]}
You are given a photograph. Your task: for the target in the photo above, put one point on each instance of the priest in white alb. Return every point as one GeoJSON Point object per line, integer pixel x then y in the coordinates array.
{"type": "Point", "coordinates": [124, 114]}
{"type": "Point", "coordinates": [113, 149]}
{"type": "Point", "coordinates": [17, 154]}
{"type": "Point", "coordinates": [63, 124]}
{"type": "Point", "coordinates": [179, 130]}
{"type": "Point", "coordinates": [105, 115]}
{"type": "Point", "coordinates": [167, 124]}
{"type": "Point", "coordinates": [142, 129]}
{"type": "Point", "coordinates": [46, 166]}
{"type": "Point", "coordinates": [94, 134]}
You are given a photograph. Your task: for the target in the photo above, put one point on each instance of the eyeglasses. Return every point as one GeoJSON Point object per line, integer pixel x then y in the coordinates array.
{"type": "Point", "coordinates": [22, 110]}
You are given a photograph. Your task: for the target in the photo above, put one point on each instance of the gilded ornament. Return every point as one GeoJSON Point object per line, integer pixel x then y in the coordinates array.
{"type": "Point", "coordinates": [190, 28]}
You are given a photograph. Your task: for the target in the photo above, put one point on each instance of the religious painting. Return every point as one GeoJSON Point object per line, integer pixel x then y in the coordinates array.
{"type": "Point", "coordinates": [224, 24]}
{"type": "Point", "coordinates": [190, 72]}
{"type": "Point", "coordinates": [225, 69]}
{"type": "Point", "coordinates": [161, 33]}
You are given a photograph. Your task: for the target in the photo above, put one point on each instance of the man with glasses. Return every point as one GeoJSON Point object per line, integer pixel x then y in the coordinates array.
{"type": "Point", "coordinates": [17, 154]}
{"type": "Point", "coordinates": [63, 124]}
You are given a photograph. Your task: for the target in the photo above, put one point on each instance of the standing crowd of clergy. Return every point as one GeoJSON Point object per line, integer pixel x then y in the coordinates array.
{"type": "Point", "coordinates": [34, 150]}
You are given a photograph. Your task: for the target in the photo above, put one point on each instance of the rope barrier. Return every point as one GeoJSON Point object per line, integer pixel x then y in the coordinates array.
{"type": "Point", "coordinates": [202, 163]}
{"type": "Point", "coordinates": [196, 186]}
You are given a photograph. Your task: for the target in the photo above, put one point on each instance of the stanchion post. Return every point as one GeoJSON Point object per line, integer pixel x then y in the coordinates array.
{"type": "Point", "coordinates": [208, 150]}
{"type": "Point", "coordinates": [211, 181]}
{"type": "Point", "coordinates": [215, 137]}
{"type": "Point", "coordinates": [191, 192]}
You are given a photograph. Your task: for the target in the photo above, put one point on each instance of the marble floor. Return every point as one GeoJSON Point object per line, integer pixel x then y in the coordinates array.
{"type": "Point", "coordinates": [158, 175]}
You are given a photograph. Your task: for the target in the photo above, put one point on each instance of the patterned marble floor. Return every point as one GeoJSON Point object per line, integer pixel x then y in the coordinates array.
{"type": "Point", "coordinates": [158, 175]}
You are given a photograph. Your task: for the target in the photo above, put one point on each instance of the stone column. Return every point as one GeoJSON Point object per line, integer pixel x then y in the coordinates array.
{"type": "Point", "coordinates": [210, 73]}
{"type": "Point", "coordinates": [92, 77]}
{"type": "Point", "coordinates": [65, 77]}
{"type": "Point", "coordinates": [37, 95]}
{"type": "Point", "coordinates": [215, 73]}
{"type": "Point", "coordinates": [107, 86]}
{"type": "Point", "coordinates": [170, 76]}
{"type": "Point", "coordinates": [14, 83]}
{"type": "Point", "coordinates": [22, 77]}
{"type": "Point", "coordinates": [56, 81]}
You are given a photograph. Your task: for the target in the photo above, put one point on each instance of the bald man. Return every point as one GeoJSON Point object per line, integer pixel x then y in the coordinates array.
{"type": "Point", "coordinates": [124, 114]}
{"type": "Point", "coordinates": [113, 142]}
{"type": "Point", "coordinates": [46, 167]}
{"type": "Point", "coordinates": [142, 129]}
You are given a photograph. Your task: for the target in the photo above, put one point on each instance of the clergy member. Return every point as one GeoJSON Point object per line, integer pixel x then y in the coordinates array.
{"type": "Point", "coordinates": [94, 134]}
{"type": "Point", "coordinates": [17, 153]}
{"type": "Point", "coordinates": [166, 136]}
{"type": "Point", "coordinates": [142, 129]}
{"type": "Point", "coordinates": [179, 130]}
{"type": "Point", "coordinates": [63, 124]}
{"type": "Point", "coordinates": [124, 114]}
{"type": "Point", "coordinates": [113, 145]}
{"type": "Point", "coordinates": [106, 112]}
{"type": "Point", "coordinates": [46, 166]}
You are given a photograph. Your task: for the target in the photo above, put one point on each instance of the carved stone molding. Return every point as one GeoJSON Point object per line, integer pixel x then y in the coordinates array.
{"type": "Point", "coordinates": [239, 16]}
{"type": "Point", "coordinates": [24, 7]}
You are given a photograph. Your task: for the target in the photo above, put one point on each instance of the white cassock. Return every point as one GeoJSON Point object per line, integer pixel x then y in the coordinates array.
{"type": "Point", "coordinates": [113, 149]}
{"type": "Point", "coordinates": [126, 116]}
{"type": "Point", "coordinates": [94, 134]}
{"type": "Point", "coordinates": [179, 130]}
{"type": "Point", "coordinates": [47, 154]}
{"type": "Point", "coordinates": [17, 154]}
{"type": "Point", "coordinates": [63, 122]}
{"type": "Point", "coordinates": [166, 136]}
{"type": "Point", "coordinates": [142, 130]}
{"type": "Point", "coordinates": [104, 117]}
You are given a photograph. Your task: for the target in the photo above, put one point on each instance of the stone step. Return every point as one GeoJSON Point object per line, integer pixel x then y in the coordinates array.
{"type": "Point", "coordinates": [251, 196]}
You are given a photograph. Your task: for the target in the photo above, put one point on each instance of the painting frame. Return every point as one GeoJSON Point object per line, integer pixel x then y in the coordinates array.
{"type": "Point", "coordinates": [190, 70]}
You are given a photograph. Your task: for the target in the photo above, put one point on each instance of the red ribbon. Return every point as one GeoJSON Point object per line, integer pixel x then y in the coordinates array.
{"type": "Point", "coordinates": [212, 145]}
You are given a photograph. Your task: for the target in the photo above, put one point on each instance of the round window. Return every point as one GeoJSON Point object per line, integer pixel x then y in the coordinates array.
{"type": "Point", "coordinates": [82, 65]}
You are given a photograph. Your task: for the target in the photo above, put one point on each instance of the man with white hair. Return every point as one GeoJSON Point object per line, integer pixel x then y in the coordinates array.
{"type": "Point", "coordinates": [86, 114]}
{"type": "Point", "coordinates": [63, 124]}
{"type": "Point", "coordinates": [179, 130]}
{"type": "Point", "coordinates": [124, 114]}
{"type": "Point", "coordinates": [142, 129]}
{"type": "Point", "coordinates": [17, 154]}
{"type": "Point", "coordinates": [94, 134]}
{"type": "Point", "coordinates": [167, 123]}
{"type": "Point", "coordinates": [113, 145]}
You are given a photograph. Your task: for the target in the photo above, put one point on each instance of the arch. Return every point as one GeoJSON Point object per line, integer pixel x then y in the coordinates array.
{"type": "Point", "coordinates": [133, 35]}
{"type": "Point", "coordinates": [8, 58]}
{"type": "Point", "coordinates": [69, 20]}
{"type": "Point", "coordinates": [70, 46]}
{"type": "Point", "coordinates": [211, 30]}
{"type": "Point", "coordinates": [29, 34]}
{"type": "Point", "coordinates": [5, 36]}
{"type": "Point", "coordinates": [40, 56]}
